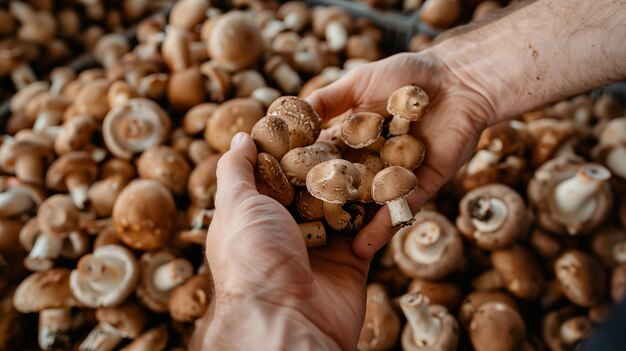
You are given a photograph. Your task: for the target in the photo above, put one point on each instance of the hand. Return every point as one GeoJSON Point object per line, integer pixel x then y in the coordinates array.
{"type": "Point", "coordinates": [269, 293]}
{"type": "Point", "coordinates": [450, 130]}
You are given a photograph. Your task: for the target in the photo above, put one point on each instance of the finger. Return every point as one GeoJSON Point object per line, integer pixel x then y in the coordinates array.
{"type": "Point", "coordinates": [334, 99]}
{"type": "Point", "coordinates": [235, 171]}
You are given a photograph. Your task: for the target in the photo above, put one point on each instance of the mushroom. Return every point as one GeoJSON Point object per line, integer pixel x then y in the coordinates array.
{"type": "Point", "coordinates": [297, 163]}
{"type": "Point", "coordinates": [391, 186]}
{"type": "Point", "coordinates": [92, 99]}
{"type": "Point", "coordinates": [582, 278]}
{"type": "Point", "coordinates": [218, 81]}
{"type": "Point", "coordinates": [188, 14]}
{"type": "Point", "coordinates": [35, 26]}
{"type": "Point", "coordinates": [515, 269]}
{"type": "Point", "coordinates": [49, 294]}
{"type": "Point", "coordinates": [73, 171]}
{"type": "Point", "coordinates": [303, 122]}
{"type": "Point", "coordinates": [271, 135]}
{"type": "Point", "coordinates": [407, 104]}
{"type": "Point", "coordinates": [429, 327]}
{"type": "Point", "coordinates": [186, 88]}
{"type": "Point", "coordinates": [361, 129]}
{"type": "Point", "coordinates": [493, 216]}
{"type": "Point", "coordinates": [553, 138]}
{"type": "Point", "coordinates": [115, 324]}
{"type": "Point", "coordinates": [75, 135]}
{"type": "Point", "coordinates": [295, 15]}
{"type": "Point", "coordinates": [266, 95]}
{"type": "Point", "coordinates": [381, 327]}
{"type": "Point", "coordinates": [144, 214]}
{"type": "Point", "coordinates": [280, 71]}
{"type": "Point", "coordinates": [334, 181]}
{"type": "Point", "coordinates": [119, 93]}
{"type": "Point", "coordinates": [18, 198]}
{"type": "Point", "coordinates": [25, 156]}
{"type": "Point", "coordinates": [105, 277]}
{"type": "Point", "coordinates": [246, 81]}
{"type": "Point", "coordinates": [325, 151]}
{"type": "Point", "coordinates": [544, 244]}
{"type": "Point", "coordinates": [564, 328]}
{"type": "Point", "coordinates": [611, 148]}
{"type": "Point", "coordinates": [190, 300]}
{"type": "Point", "coordinates": [199, 150]}
{"type": "Point", "coordinates": [570, 196]}
{"type": "Point", "coordinates": [496, 326]}
{"type": "Point", "coordinates": [404, 151]}
{"type": "Point", "coordinates": [161, 273]}
{"type": "Point", "coordinates": [109, 48]}
{"type": "Point", "coordinates": [440, 13]}
{"type": "Point", "coordinates": [372, 161]}
{"type": "Point", "coordinates": [154, 339]}
{"type": "Point", "coordinates": [309, 207]}
{"type": "Point", "coordinates": [332, 24]}
{"type": "Point", "coordinates": [234, 41]}
{"type": "Point", "coordinates": [313, 233]}
{"type": "Point", "coordinates": [135, 127]}
{"type": "Point", "coordinates": [475, 299]}
{"type": "Point", "coordinates": [103, 193]}
{"type": "Point", "coordinates": [446, 294]}
{"type": "Point", "coordinates": [166, 166]}
{"type": "Point", "coordinates": [349, 216]}
{"type": "Point", "coordinates": [328, 75]}
{"type": "Point", "coordinates": [271, 180]}
{"type": "Point", "coordinates": [608, 107]}
{"type": "Point", "coordinates": [609, 244]}
{"type": "Point", "coordinates": [230, 118]}
{"type": "Point", "coordinates": [430, 248]}
{"type": "Point", "coordinates": [202, 183]}
{"type": "Point", "coordinates": [485, 8]}
{"type": "Point", "coordinates": [197, 117]}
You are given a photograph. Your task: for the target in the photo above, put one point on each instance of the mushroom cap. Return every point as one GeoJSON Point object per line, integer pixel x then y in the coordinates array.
{"type": "Point", "coordinates": [72, 163]}
{"type": "Point", "coordinates": [118, 167]}
{"type": "Point", "coordinates": [12, 184]}
{"type": "Point", "coordinates": [551, 327]}
{"type": "Point", "coordinates": [549, 136]}
{"type": "Point", "coordinates": [44, 290]}
{"type": "Point", "coordinates": [497, 327]}
{"type": "Point", "coordinates": [303, 122]}
{"type": "Point", "coordinates": [381, 327]}
{"type": "Point", "coordinates": [409, 102]}
{"type": "Point", "coordinates": [58, 216]}
{"type": "Point", "coordinates": [404, 151]}
{"type": "Point", "coordinates": [334, 181]}
{"type": "Point", "coordinates": [166, 166]}
{"type": "Point", "coordinates": [128, 319]}
{"type": "Point", "coordinates": [27, 94]}
{"type": "Point", "coordinates": [297, 163]}
{"type": "Point", "coordinates": [148, 293]}
{"type": "Point", "coordinates": [75, 134]}
{"type": "Point", "coordinates": [271, 135]}
{"type": "Point", "coordinates": [608, 244]}
{"type": "Point", "coordinates": [440, 13]}
{"type": "Point", "coordinates": [92, 99]}
{"type": "Point", "coordinates": [197, 117]}
{"type": "Point", "coordinates": [247, 81]}
{"type": "Point", "coordinates": [235, 41]}
{"type": "Point", "coordinates": [113, 254]}
{"type": "Point", "coordinates": [144, 214]}
{"type": "Point", "coordinates": [187, 14]}
{"type": "Point", "coordinates": [361, 129]}
{"type": "Point", "coordinates": [325, 150]}
{"type": "Point", "coordinates": [322, 16]}
{"type": "Point", "coordinates": [202, 183]}
{"type": "Point", "coordinates": [230, 118]}
{"type": "Point", "coordinates": [430, 248]}
{"type": "Point", "coordinates": [189, 301]}
{"type": "Point", "coordinates": [186, 88]}
{"type": "Point", "coordinates": [372, 161]}
{"type": "Point", "coordinates": [582, 278]}
{"type": "Point", "coordinates": [393, 183]}
{"type": "Point", "coordinates": [493, 216]}
{"type": "Point", "coordinates": [271, 180]}
{"type": "Point", "coordinates": [519, 271]}
{"type": "Point", "coordinates": [23, 144]}
{"type": "Point", "coordinates": [134, 127]}
{"type": "Point", "coordinates": [475, 299]}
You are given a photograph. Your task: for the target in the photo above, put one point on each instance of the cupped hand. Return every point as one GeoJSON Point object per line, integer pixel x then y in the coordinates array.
{"type": "Point", "coordinates": [450, 129]}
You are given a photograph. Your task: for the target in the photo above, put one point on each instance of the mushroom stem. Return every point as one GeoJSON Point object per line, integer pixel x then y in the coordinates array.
{"type": "Point", "coordinates": [400, 212]}
{"type": "Point", "coordinates": [47, 119]}
{"type": "Point", "coordinates": [288, 80]}
{"type": "Point", "coordinates": [54, 327]}
{"type": "Point", "coordinates": [424, 327]}
{"type": "Point", "coordinates": [29, 168]}
{"type": "Point", "coordinates": [13, 203]}
{"type": "Point", "coordinates": [101, 275]}
{"type": "Point", "coordinates": [313, 233]}
{"type": "Point", "coordinates": [47, 248]}
{"type": "Point", "coordinates": [573, 194]}
{"type": "Point", "coordinates": [481, 160]}
{"type": "Point", "coordinates": [575, 329]}
{"type": "Point", "coordinates": [101, 338]}
{"type": "Point", "coordinates": [336, 36]}
{"type": "Point", "coordinates": [78, 185]}
{"type": "Point", "coordinates": [399, 126]}
{"type": "Point", "coordinates": [489, 280]}
{"type": "Point", "coordinates": [172, 274]}
{"type": "Point", "coordinates": [616, 160]}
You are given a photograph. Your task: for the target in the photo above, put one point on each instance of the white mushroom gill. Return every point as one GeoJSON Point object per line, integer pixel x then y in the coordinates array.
{"type": "Point", "coordinates": [425, 243]}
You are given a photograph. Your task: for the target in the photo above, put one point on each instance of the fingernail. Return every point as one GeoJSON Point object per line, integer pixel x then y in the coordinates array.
{"type": "Point", "coordinates": [237, 139]}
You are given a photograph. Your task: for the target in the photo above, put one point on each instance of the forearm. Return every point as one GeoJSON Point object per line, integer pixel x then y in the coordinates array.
{"type": "Point", "coordinates": [543, 51]}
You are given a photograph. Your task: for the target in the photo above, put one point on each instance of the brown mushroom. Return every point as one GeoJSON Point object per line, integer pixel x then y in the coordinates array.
{"type": "Point", "coordinates": [564, 328]}
{"type": "Point", "coordinates": [430, 248]}
{"type": "Point", "coordinates": [325, 151]}
{"type": "Point", "coordinates": [103, 193]}
{"type": "Point", "coordinates": [407, 104]}
{"type": "Point", "coordinates": [497, 326]}
{"type": "Point", "coordinates": [109, 48]}
{"type": "Point", "coordinates": [334, 181]}
{"type": "Point", "coordinates": [281, 72]}
{"type": "Point", "coordinates": [271, 180]}
{"type": "Point", "coordinates": [428, 326]}
{"type": "Point", "coordinates": [18, 198]}
{"type": "Point", "coordinates": [73, 171]}
{"type": "Point", "coordinates": [582, 278]}
{"type": "Point", "coordinates": [381, 327]}
{"type": "Point", "coordinates": [332, 24]}
{"type": "Point", "coordinates": [295, 15]}
{"type": "Point", "coordinates": [234, 41]}
{"type": "Point", "coordinates": [440, 13]}
{"type": "Point", "coordinates": [271, 135]}
{"type": "Point", "coordinates": [161, 273]}
{"type": "Point", "coordinates": [361, 129]}
{"type": "Point", "coordinates": [75, 135]}
{"type": "Point", "coordinates": [611, 147]}
{"type": "Point", "coordinates": [303, 122]}
{"type": "Point", "coordinates": [92, 99]}
{"type": "Point", "coordinates": [309, 207]}
{"type": "Point", "coordinates": [475, 299]}
{"type": "Point", "coordinates": [246, 81]}
{"type": "Point", "coordinates": [202, 183]}
{"type": "Point", "coordinates": [446, 294]}
{"type": "Point", "coordinates": [115, 324]}
{"type": "Point", "coordinates": [391, 186]}
{"type": "Point", "coordinates": [297, 163]}
{"type": "Point", "coordinates": [197, 117]}
{"type": "Point", "coordinates": [485, 8]}
{"type": "Point", "coordinates": [404, 151]}
{"type": "Point", "coordinates": [553, 138]}
{"type": "Point", "coordinates": [190, 300]}
{"type": "Point", "coordinates": [188, 14]}
{"type": "Point", "coordinates": [154, 339]}
{"type": "Point", "coordinates": [186, 88]}
{"type": "Point", "coordinates": [166, 166]}
{"type": "Point", "coordinates": [144, 214]}
{"type": "Point", "coordinates": [349, 216]}
{"type": "Point", "coordinates": [25, 155]}
{"type": "Point", "coordinates": [609, 244]}
{"type": "Point", "coordinates": [230, 118]}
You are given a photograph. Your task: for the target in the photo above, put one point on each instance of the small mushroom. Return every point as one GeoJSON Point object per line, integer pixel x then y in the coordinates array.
{"type": "Point", "coordinates": [281, 72]}
{"type": "Point", "coordinates": [313, 233]}
{"type": "Point", "coordinates": [485, 8]}
{"type": "Point", "coordinates": [75, 135]}
{"type": "Point", "coordinates": [430, 248]}
{"type": "Point", "coordinates": [372, 161]}
{"type": "Point", "coordinates": [303, 122]}
{"type": "Point", "coordinates": [144, 214]}
{"type": "Point", "coordinates": [202, 183]}
{"type": "Point", "coordinates": [391, 186]}
{"type": "Point", "coordinates": [135, 127]}
{"type": "Point", "coordinates": [247, 81]}
{"type": "Point", "coordinates": [103, 193]}
{"type": "Point", "coordinates": [564, 328]}
{"type": "Point", "coordinates": [404, 151]}
{"type": "Point", "coordinates": [115, 324]}
{"type": "Point", "coordinates": [166, 166]}
{"type": "Point", "coordinates": [496, 326]}
{"type": "Point", "coordinates": [381, 327]}
{"type": "Point", "coordinates": [230, 118]}
{"type": "Point", "coordinates": [544, 244]}
{"type": "Point", "coordinates": [582, 278]}
{"type": "Point", "coordinates": [105, 277]}
{"type": "Point", "coordinates": [407, 104]}
{"type": "Point", "coordinates": [25, 156]}
{"type": "Point", "coordinates": [365, 188]}
{"type": "Point", "coordinates": [18, 198]}
{"type": "Point", "coordinates": [49, 294]}
{"type": "Point", "coordinates": [440, 13]}
{"type": "Point", "coordinates": [161, 273]}
{"type": "Point", "coordinates": [197, 117]}
{"type": "Point", "coordinates": [188, 14]}
{"type": "Point", "coordinates": [309, 207]}
{"type": "Point", "coordinates": [295, 15]}
{"type": "Point", "coordinates": [446, 294]}
{"type": "Point", "coordinates": [271, 135]}
{"type": "Point", "coordinates": [92, 99]}
{"type": "Point", "coordinates": [234, 41]}
{"type": "Point", "coordinates": [271, 180]}
{"type": "Point", "coordinates": [186, 88]}
{"type": "Point", "coordinates": [73, 171]}
{"type": "Point", "coordinates": [332, 24]}
{"type": "Point", "coordinates": [154, 339]}
{"type": "Point", "coordinates": [344, 217]}
{"type": "Point", "coordinates": [334, 181]}
{"type": "Point", "coordinates": [297, 163]}
{"type": "Point", "coordinates": [190, 300]}
{"type": "Point", "coordinates": [109, 48]}
{"type": "Point", "coordinates": [361, 129]}
{"type": "Point", "coordinates": [475, 299]}
{"type": "Point", "coordinates": [429, 327]}
{"type": "Point", "coordinates": [515, 269]}
{"type": "Point", "coordinates": [553, 138]}
{"type": "Point", "coordinates": [493, 216]}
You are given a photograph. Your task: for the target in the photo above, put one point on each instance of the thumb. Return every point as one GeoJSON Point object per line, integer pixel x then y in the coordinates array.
{"type": "Point", "coordinates": [235, 171]}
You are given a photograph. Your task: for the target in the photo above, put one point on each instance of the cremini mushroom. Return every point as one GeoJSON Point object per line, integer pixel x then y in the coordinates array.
{"type": "Point", "coordinates": [75, 134]}
{"type": "Point", "coordinates": [485, 8]}
{"type": "Point", "coordinates": [440, 13]}
{"type": "Point", "coordinates": [196, 119]}
{"type": "Point", "coordinates": [493, 216]}
{"type": "Point", "coordinates": [103, 193]}
{"type": "Point", "coordinates": [73, 171]}
{"type": "Point", "coordinates": [109, 48]}
{"type": "Point", "coordinates": [349, 216]}
{"type": "Point", "coordinates": [271, 180]}
{"type": "Point", "coordinates": [326, 151]}
{"type": "Point", "coordinates": [190, 300]}
{"type": "Point", "coordinates": [166, 166]}
{"type": "Point", "coordinates": [92, 99]}
{"type": "Point", "coordinates": [186, 88]}
{"type": "Point", "coordinates": [144, 214]}
{"type": "Point", "coordinates": [381, 327]}
{"type": "Point", "coordinates": [271, 135]}
{"type": "Point", "coordinates": [334, 181]}
{"type": "Point", "coordinates": [497, 326]}
{"type": "Point", "coordinates": [18, 198]}
{"type": "Point", "coordinates": [404, 151]}
{"type": "Point", "coordinates": [25, 155]}
{"type": "Point", "coordinates": [115, 324]}
{"type": "Point", "coordinates": [553, 138]}
{"type": "Point", "coordinates": [154, 339]}
{"type": "Point", "coordinates": [609, 244]}
{"type": "Point", "coordinates": [475, 299]}
{"type": "Point", "coordinates": [105, 277]}
{"type": "Point", "coordinates": [188, 14]}
{"type": "Point", "coordinates": [430, 248]}
{"type": "Point", "coordinates": [297, 163]}
{"type": "Point", "coordinates": [361, 129]}
{"type": "Point", "coordinates": [285, 77]}
{"type": "Point", "coordinates": [303, 122]}
{"type": "Point", "coordinates": [564, 328]}
{"type": "Point", "coordinates": [372, 161]}
{"type": "Point", "coordinates": [582, 278]}
{"type": "Point", "coordinates": [365, 188]}
{"type": "Point", "coordinates": [407, 104]}
{"type": "Point", "coordinates": [202, 182]}
{"type": "Point", "coordinates": [391, 186]}
{"type": "Point", "coordinates": [234, 41]}
{"type": "Point", "coordinates": [444, 293]}
{"type": "Point", "coordinates": [313, 233]}
{"type": "Point", "coordinates": [135, 127]}
{"type": "Point", "coordinates": [161, 272]}
{"type": "Point", "coordinates": [332, 24]}
{"type": "Point", "coordinates": [247, 81]}
{"type": "Point", "coordinates": [230, 118]}
{"type": "Point", "coordinates": [309, 207]}
{"type": "Point", "coordinates": [429, 327]}
{"type": "Point", "coordinates": [570, 196]}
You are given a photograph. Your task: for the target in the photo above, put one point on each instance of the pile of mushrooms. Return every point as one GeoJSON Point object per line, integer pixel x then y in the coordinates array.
{"type": "Point", "coordinates": [107, 183]}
